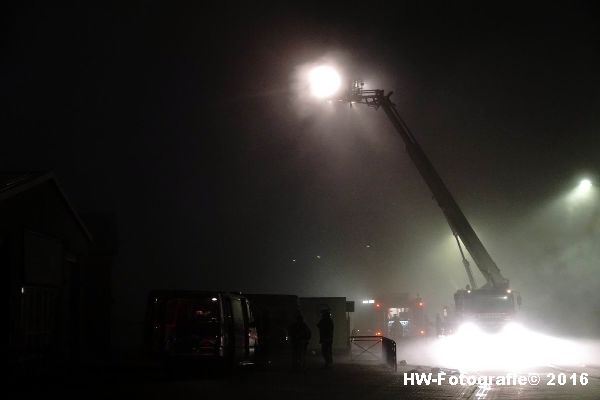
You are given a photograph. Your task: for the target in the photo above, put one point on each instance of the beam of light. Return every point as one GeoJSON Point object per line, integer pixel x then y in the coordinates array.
{"type": "Point", "coordinates": [324, 81]}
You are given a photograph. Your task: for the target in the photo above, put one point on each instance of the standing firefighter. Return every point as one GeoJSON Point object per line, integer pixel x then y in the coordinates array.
{"type": "Point", "coordinates": [299, 334]}
{"type": "Point", "coordinates": [326, 336]}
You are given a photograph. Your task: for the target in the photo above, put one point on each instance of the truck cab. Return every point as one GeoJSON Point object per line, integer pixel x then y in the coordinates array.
{"type": "Point", "coordinates": [488, 308]}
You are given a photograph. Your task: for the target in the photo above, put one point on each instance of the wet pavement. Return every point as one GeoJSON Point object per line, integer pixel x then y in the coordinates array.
{"type": "Point", "coordinates": [347, 379]}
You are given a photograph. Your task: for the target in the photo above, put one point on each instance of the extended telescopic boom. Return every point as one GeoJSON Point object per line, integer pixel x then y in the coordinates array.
{"type": "Point", "coordinates": [458, 222]}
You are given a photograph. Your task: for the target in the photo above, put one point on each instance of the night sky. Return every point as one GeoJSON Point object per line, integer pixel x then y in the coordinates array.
{"type": "Point", "coordinates": [186, 125]}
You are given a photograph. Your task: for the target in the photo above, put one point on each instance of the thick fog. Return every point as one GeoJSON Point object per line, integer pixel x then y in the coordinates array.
{"type": "Point", "coordinates": [199, 140]}
{"type": "Point", "coordinates": [396, 239]}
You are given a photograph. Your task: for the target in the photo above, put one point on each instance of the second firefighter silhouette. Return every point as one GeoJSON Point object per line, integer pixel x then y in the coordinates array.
{"type": "Point", "coordinates": [299, 334]}
{"type": "Point", "coordinates": [326, 336]}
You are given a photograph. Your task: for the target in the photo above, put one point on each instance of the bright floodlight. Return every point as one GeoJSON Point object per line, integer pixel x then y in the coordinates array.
{"type": "Point", "coordinates": [582, 191]}
{"type": "Point", "coordinates": [584, 186]}
{"type": "Point", "coordinates": [324, 81]}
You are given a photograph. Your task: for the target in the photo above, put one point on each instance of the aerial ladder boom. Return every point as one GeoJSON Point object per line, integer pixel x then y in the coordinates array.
{"type": "Point", "coordinates": [459, 224]}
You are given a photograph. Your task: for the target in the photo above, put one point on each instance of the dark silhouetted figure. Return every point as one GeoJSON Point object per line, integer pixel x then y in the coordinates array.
{"type": "Point", "coordinates": [299, 334]}
{"type": "Point", "coordinates": [326, 336]}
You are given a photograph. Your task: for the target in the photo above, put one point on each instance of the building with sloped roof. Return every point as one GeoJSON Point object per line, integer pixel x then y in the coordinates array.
{"type": "Point", "coordinates": [45, 253]}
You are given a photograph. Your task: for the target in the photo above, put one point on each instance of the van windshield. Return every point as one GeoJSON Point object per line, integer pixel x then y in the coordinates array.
{"type": "Point", "coordinates": [195, 313]}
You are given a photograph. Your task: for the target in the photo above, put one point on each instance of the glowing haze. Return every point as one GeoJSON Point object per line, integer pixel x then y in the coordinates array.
{"type": "Point", "coordinates": [515, 348]}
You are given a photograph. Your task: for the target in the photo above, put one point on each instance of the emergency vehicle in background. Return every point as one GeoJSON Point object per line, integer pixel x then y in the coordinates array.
{"type": "Point", "coordinates": [393, 316]}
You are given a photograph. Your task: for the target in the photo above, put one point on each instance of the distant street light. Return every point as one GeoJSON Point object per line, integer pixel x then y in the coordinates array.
{"type": "Point", "coordinates": [584, 186]}
{"type": "Point", "coordinates": [583, 194]}
{"type": "Point", "coordinates": [324, 81]}
{"type": "Point", "coordinates": [582, 191]}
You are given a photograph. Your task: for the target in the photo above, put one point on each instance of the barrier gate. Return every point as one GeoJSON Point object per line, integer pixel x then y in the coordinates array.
{"type": "Point", "coordinates": [367, 348]}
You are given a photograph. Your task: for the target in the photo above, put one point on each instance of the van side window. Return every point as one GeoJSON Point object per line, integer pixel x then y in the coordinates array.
{"type": "Point", "coordinates": [238, 313]}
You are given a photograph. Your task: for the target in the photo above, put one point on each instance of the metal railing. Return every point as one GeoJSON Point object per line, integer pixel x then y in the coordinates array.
{"type": "Point", "coordinates": [367, 346]}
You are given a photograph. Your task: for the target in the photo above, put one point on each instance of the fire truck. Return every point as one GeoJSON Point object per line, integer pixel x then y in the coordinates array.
{"type": "Point", "coordinates": [393, 316]}
{"type": "Point", "coordinates": [490, 305]}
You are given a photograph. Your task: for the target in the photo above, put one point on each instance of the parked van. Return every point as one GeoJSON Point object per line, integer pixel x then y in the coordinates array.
{"type": "Point", "coordinates": [274, 314]}
{"type": "Point", "coordinates": [212, 327]}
